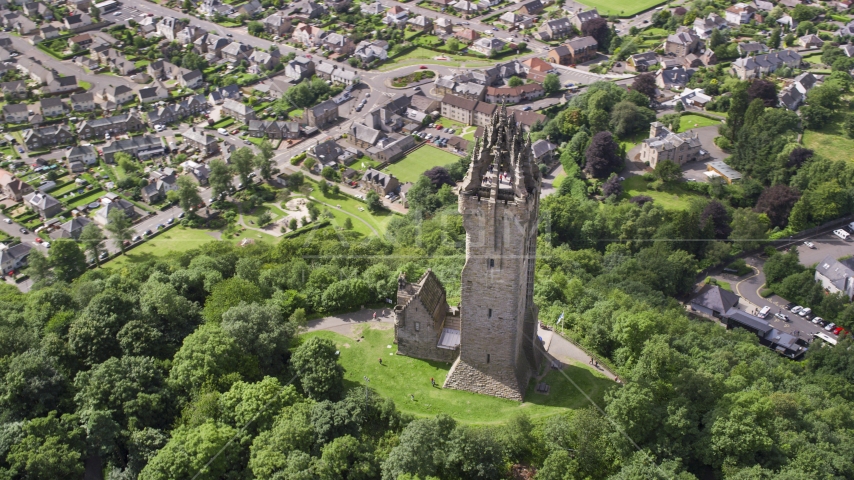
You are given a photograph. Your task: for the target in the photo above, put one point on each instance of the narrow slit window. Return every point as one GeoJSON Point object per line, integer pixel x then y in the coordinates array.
{"type": "Point", "coordinates": [491, 263]}
{"type": "Point", "coordinates": [487, 358]}
{"type": "Point", "coordinates": [489, 313]}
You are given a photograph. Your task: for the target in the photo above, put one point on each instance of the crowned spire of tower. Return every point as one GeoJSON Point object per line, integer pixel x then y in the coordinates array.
{"type": "Point", "coordinates": [502, 157]}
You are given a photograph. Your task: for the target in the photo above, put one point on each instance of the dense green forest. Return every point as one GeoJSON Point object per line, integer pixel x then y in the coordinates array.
{"type": "Point", "coordinates": [154, 369]}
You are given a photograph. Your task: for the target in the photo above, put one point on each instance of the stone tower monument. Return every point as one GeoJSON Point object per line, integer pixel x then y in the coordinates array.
{"type": "Point", "coordinates": [499, 201]}
{"type": "Point", "coordinates": [492, 337]}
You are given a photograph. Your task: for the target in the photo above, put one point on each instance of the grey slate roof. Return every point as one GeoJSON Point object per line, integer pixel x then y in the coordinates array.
{"type": "Point", "coordinates": [835, 271]}
{"type": "Point", "coordinates": [716, 298]}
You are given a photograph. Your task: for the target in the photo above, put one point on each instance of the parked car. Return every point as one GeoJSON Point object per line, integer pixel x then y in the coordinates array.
{"type": "Point", "coordinates": [423, 67]}
{"type": "Point", "coordinates": [810, 245]}
{"type": "Point", "coordinates": [181, 215]}
{"type": "Point", "coordinates": [222, 131]}
{"type": "Point", "coordinates": [23, 230]}
{"type": "Point", "coordinates": [46, 244]}
{"type": "Point", "coordinates": [104, 255]}
{"type": "Point", "coordinates": [817, 320]}
{"type": "Point", "coordinates": [830, 326]}
{"type": "Point", "coordinates": [796, 309]}
{"type": "Point", "coordinates": [170, 221]}
{"type": "Point", "coordinates": [136, 238]}
{"type": "Point", "coordinates": [7, 220]}
{"type": "Point", "coordinates": [147, 233]}
{"type": "Point", "coordinates": [247, 142]}
{"type": "Point", "coordinates": [782, 317]}
{"type": "Point", "coordinates": [805, 311]}
{"type": "Point", "coordinates": [837, 330]}
{"type": "Point", "coordinates": [39, 240]}
{"type": "Point", "coordinates": [789, 306]}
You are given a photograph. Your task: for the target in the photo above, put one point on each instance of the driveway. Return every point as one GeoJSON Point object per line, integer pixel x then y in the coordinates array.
{"type": "Point", "coordinates": [748, 286]}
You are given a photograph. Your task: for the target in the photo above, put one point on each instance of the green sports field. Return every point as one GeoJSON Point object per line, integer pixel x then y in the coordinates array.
{"type": "Point", "coordinates": [623, 8]}
{"type": "Point", "coordinates": [419, 161]}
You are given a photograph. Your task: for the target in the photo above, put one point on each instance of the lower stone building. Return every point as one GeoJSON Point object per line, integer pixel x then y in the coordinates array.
{"type": "Point", "coordinates": [425, 326]}
{"type": "Point", "coordinates": [382, 183]}
{"type": "Point", "coordinates": [322, 114]}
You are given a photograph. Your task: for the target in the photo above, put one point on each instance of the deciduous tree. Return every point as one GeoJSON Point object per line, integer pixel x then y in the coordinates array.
{"type": "Point", "coordinates": [188, 194]}
{"type": "Point", "coordinates": [120, 228]}
{"type": "Point", "coordinates": [602, 156]}
{"type": "Point", "coordinates": [244, 161]}
{"type": "Point", "coordinates": [93, 241]}
{"type": "Point", "coordinates": [777, 202]}
{"type": "Point", "coordinates": [261, 331]}
{"type": "Point", "coordinates": [551, 84]}
{"type": "Point", "coordinates": [316, 364]}
{"type": "Point", "coordinates": [219, 178]}
{"type": "Point", "coordinates": [645, 84]}
{"type": "Point", "coordinates": [67, 260]}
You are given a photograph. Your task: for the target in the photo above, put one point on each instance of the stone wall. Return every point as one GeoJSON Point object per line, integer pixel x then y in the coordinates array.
{"type": "Point", "coordinates": [504, 384]}
{"type": "Point", "coordinates": [419, 343]}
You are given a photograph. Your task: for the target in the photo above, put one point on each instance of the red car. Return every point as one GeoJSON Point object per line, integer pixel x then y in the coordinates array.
{"type": "Point", "coordinates": [422, 67]}
{"type": "Point", "coordinates": [837, 330]}
{"type": "Point", "coordinates": [39, 240]}
{"type": "Point", "coordinates": [235, 131]}
{"type": "Point", "coordinates": [438, 127]}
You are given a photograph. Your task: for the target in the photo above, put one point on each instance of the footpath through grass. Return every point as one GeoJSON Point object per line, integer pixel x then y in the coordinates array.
{"type": "Point", "coordinates": [673, 197]}
{"type": "Point", "coordinates": [419, 161]}
{"type": "Point", "coordinates": [400, 376]}
{"type": "Point", "coordinates": [378, 221]}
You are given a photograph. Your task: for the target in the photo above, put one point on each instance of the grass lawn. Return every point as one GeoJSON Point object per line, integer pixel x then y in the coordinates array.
{"type": "Point", "coordinates": [63, 190]}
{"type": "Point", "coordinates": [419, 161]}
{"type": "Point", "coordinates": [177, 239]}
{"type": "Point", "coordinates": [673, 197]}
{"type": "Point", "coordinates": [448, 123]}
{"type": "Point", "coordinates": [340, 218]}
{"type": "Point", "coordinates": [400, 376]}
{"type": "Point", "coordinates": [623, 8]}
{"type": "Point", "coordinates": [275, 212]}
{"type": "Point", "coordinates": [632, 140]}
{"type": "Point", "coordinates": [720, 283]}
{"type": "Point", "coordinates": [559, 178]}
{"type": "Point", "coordinates": [689, 121]}
{"type": "Point", "coordinates": [350, 205]}
{"type": "Point", "coordinates": [469, 135]}
{"type": "Point", "coordinates": [225, 122]}
{"type": "Point", "coordinates": [655, 31]}
{"type": "Point", "coordinates": [88, 198]}
{"type": "Point", "coordinates": [424, 55]}
{"type": "Point", "coordinates": [84, 84]}
{"type": "Point", "coordinates": [830, 141]}
{"type": "Point", "coordinates": [813, 58]}
{"type": "Point", "coordinates": [254, 235]}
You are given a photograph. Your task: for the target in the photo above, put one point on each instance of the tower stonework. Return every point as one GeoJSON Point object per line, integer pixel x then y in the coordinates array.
{"type": "Point", "coordinates": [499, 201]}
{"type": "Point", "coordinates": [492, 337]}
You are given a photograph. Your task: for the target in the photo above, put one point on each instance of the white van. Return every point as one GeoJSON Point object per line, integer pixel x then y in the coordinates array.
{"type": "Point", "coordinates": [841, 234]}
{"type": "Point", "coordinates": [764, 312]}
{"type": "Point", "coordinates": [851, 226]}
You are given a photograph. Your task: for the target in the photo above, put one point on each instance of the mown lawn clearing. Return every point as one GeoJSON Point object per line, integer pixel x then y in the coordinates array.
{"type": "Point", "coordinates": [398, 377]}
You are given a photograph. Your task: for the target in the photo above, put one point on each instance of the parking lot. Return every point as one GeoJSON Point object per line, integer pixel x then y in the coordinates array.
{"type": "Point", "coordinates": [122, 14]}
